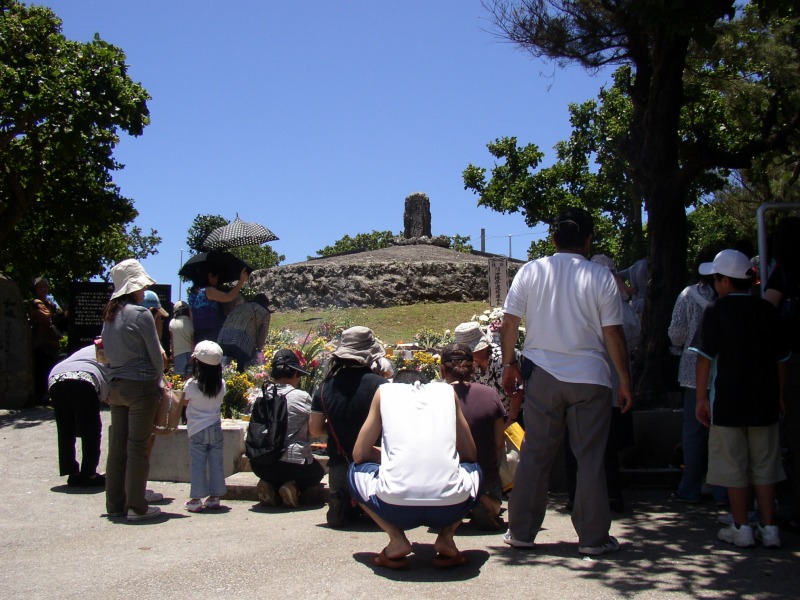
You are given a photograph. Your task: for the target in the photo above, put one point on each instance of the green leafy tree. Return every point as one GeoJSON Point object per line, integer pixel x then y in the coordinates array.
{"type": "Point", "coordinates": [733, 79]}
{"type": "Point", "coordinates": [62, 106]}
{"type": "Point", "coordinates": [361, 241]}
{"type": "Point", "coordinates": [461, 243]}
{"type": "Point", "coordinates": [258, 257]}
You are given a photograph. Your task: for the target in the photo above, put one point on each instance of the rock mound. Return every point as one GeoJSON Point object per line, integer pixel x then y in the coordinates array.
{"type": "Point", "coordinates": [393, 276]}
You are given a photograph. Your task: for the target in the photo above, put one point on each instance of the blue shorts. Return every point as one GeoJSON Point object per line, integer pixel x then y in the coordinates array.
{"type": "Point", "coordinates": [409, 517]}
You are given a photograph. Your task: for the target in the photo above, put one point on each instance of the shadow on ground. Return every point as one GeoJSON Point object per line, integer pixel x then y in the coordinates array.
{"type": "Point", "coordinates": [668, 550]}
{"type": "Point", "coordinates": [25, 418]}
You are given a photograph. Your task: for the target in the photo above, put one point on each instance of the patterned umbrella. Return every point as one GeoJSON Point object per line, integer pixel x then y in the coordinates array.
{"type": "Point", "coordinates": [238, 233]}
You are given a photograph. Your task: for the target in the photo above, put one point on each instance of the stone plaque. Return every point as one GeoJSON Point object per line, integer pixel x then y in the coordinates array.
{"type": "Point", "coordinates": [498, 281]}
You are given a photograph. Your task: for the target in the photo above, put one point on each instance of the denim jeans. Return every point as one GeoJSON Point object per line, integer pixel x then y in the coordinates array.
{"type": "Point", "coordinates": [208, 473]}
{"type": "Point", "coordinates": [695, 454]}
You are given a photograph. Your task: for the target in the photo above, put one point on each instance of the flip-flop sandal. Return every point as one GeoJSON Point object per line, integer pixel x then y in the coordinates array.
{"type": "Point", "coordinates": [442, 561]}
{"type": "Point", "coordinates": [381, 560]}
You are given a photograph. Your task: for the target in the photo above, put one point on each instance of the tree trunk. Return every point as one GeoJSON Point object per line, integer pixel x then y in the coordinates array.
{"type": "Point", "coordinates": [667, 226]}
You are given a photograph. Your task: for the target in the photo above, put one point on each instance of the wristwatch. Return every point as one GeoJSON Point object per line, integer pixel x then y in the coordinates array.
{"type": "Point", "coordinates": [513, 362]}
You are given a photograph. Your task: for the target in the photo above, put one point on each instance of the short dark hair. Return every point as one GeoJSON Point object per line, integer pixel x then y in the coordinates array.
{"type": "Point", "coordinates": [410, 376]}
{"type": "Point", "coordinates": [572, 228]}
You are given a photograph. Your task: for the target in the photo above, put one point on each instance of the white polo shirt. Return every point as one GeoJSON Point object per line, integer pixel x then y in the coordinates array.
{"type": "Point", "coordinates": [566, 300]}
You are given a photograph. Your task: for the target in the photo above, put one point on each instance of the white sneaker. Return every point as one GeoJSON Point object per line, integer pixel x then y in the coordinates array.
{"type": "Point", "coordinates": [612, 545]}
{"type": "Point", "coordinates": [150, 496]}
{"type": "Point", "coordinates": [151, 513]}
{"type": "Point", "coordinates": [742, 537]}
{"type": "Point", "coordinates": [194, 505]}
{"type": "Point", "coordinates": [512, 541]}
{"type": "Point", "coordinates": [769, 536]}
{"type": "Point", "coordinates": [212, 502]}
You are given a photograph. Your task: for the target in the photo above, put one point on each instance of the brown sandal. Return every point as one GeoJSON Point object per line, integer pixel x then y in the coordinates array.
{"type": "Point", "coordinates": [381, 560]}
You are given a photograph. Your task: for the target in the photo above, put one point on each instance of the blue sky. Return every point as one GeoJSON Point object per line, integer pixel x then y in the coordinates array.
{"type": "Point", "coordinates": [318, 118]}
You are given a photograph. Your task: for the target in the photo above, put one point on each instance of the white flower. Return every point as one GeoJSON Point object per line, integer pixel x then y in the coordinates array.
{"type": "Point", "coordinates": [483, 318]}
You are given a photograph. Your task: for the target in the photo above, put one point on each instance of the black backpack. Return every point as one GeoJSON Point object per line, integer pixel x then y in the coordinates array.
{"type": "Point", "coordinates": [266, 434]}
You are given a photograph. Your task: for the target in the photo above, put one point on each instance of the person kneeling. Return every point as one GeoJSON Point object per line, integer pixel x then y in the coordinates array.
{"type": "Point", "coordinates": [417, 477]}
{"type": "Point", "coordinates": [297, 470]}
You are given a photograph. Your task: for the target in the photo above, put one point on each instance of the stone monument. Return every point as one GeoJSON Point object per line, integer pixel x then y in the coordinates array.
{"type": "Point", "coordinates": [417, 216]}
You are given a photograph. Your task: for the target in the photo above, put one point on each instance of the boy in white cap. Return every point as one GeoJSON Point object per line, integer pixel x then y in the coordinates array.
{"type": "Point", "coordinates": [741, 348]}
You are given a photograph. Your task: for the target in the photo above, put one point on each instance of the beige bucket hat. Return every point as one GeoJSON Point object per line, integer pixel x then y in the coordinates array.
{"type": "Point", "coordinates": [129, 276]}
{"type": "Point", "coordinates": [358, 344]}
{"type": "Point", "coordinates": [471, 334]}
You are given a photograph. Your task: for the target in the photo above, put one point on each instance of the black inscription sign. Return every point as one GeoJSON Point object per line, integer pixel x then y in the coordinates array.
{"type": "Point", "coordinates": [87, 302]}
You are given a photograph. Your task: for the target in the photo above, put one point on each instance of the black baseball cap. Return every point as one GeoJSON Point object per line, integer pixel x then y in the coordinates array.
{"type": "Point", "coordinates": [287, 358]}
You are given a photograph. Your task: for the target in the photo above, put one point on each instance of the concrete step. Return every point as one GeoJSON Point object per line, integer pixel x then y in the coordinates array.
{"type": "Point", "coordinates": [242, 486]}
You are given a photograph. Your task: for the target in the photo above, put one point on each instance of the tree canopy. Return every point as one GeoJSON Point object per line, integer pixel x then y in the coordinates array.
{"type": "Point", "coordinates": [62, 106]}
{"type": "Point", "coordinates": [710, 89]}
{"type": "Point", "coordinates": [382, 239]}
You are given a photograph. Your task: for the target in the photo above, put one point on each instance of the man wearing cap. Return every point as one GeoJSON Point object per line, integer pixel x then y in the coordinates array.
{"type": "Point", "coordinates": [297, 470]}
{"type": "Point", "coordinates": [741, 348]}
{"type": "Point", "coordinates": [488, 359]}
{"type": "Point", "coordinates": [245, 330]}
{"type": "Point", "coordinates": [340, 407]}
{"type": "Point", "coordinates": [573, 321]}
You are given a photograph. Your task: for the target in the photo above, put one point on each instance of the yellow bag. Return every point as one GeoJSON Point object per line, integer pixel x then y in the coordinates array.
{"type": "Point", "coordinates": [509, 458]}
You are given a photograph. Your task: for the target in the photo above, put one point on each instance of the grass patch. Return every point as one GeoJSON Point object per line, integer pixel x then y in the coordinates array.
{"type": "Point", "coordinates": [391, 325]}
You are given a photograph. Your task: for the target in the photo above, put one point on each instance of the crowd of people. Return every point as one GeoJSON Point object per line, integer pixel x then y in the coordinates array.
{"type": "Point", "coordinates": [409, 452]}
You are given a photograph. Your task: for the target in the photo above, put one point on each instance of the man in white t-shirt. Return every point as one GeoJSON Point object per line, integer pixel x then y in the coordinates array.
{"type": "Point", "coordinates": [573, 321]}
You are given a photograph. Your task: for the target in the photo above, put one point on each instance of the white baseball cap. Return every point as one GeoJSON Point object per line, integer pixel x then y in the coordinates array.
{"type": "Point", "coordinates": [208, 352]}
{"type": "Point", "coordinates": [730, 263]}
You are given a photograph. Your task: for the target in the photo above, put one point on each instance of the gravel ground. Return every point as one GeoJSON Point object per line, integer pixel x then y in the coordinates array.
{"type": "Point", "coordinates": [56, 543]}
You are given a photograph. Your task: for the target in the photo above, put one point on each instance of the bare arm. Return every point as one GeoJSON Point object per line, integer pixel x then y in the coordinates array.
{"type": "Point", "coordinates": [509, 331]}
{"type": "Point", "coordinates": [216, 295]}
{"type": "Point", "coordinates": [614, 338]}
{"type": "Point", "coordinates": [702, 409]}
{"type": "Point", "coordinates": [316, 424]}
{"type": "Point", "coordinates": [465, 445]}
{"type": "Point", "coordinates": [364, 449]}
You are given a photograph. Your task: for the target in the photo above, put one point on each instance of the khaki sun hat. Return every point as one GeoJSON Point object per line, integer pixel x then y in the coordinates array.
{"type": "Point", "coordinates": [358, 344]}
{"type": "Point", "coordinates": [471, 334]}
{"type": "Point", "coordinates": [129, 276]}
